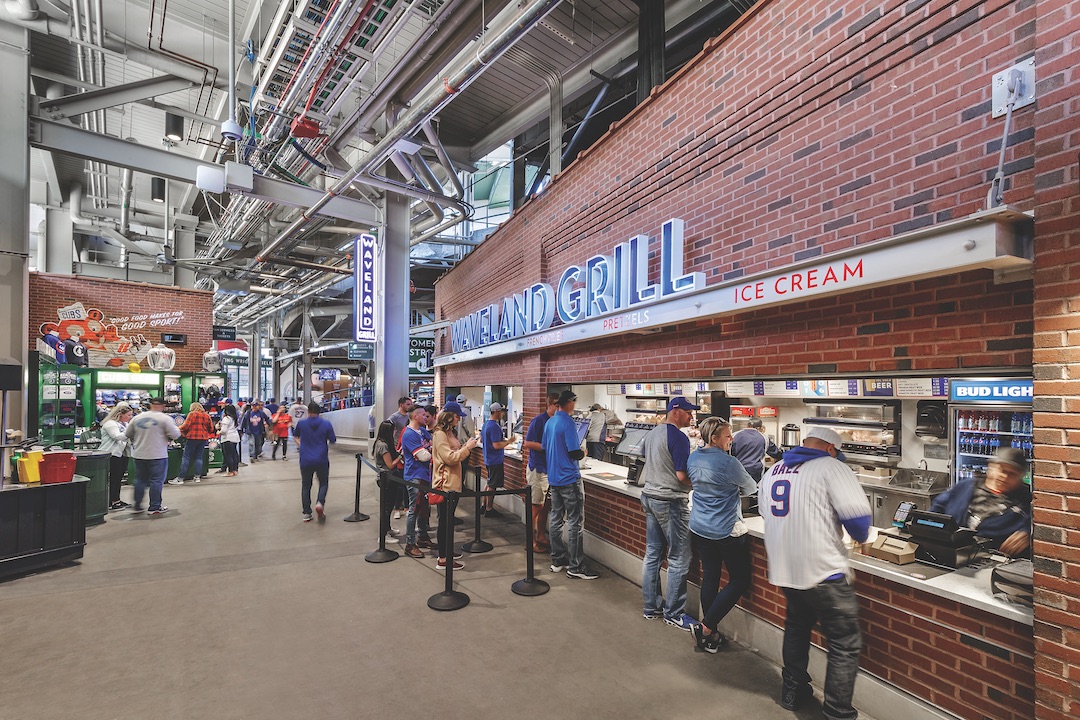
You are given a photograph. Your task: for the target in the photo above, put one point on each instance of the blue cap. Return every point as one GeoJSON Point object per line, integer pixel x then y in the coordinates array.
{"type": "Point", "coordinates": [682, 404]}
{"type": "Point", "coordinates": [454, 408]}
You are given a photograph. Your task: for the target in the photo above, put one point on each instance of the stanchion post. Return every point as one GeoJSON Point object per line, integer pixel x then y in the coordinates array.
{"type": "Point", "coordinates": [529, 586]}
{"type": "Point", "coordinates": [383, 554]}
{"type": "Point", "coordinates": [477, 545]}
{"type": "Point", "coordinates": [358, 516]}
{"type": "Point", "coordinates": [449, 599]}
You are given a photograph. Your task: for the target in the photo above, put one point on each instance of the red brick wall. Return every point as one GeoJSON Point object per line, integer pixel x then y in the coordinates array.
{"type": "Point", "coordinates": [117, 299]}
{"type": "Point", "coordinates": [1057, 361]}
{"type": "Point", "coordinates": [808, 128]}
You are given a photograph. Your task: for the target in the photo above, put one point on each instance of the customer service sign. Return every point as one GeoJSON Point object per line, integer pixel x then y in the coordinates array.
{"type": "Point", "coordinates": [609, 294]}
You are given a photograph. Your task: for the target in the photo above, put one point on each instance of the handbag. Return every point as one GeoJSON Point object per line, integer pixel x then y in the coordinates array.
{"type": "Point", "coordinates": [435, 498]}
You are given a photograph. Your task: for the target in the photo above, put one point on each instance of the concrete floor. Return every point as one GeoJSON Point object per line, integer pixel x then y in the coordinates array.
{"type": "Point", "coordinates": [230, 607]}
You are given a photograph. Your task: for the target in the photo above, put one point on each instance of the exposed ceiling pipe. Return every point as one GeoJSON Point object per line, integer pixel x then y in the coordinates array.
{"type": "Point", "coordinates": [114, 46]}
{"type": "Point", "coordinates": [230, 129]}
{"type": "Point", "coordinates": [294, 262]}
{"type": "Point", "coordinates": [22, 9]}
{"type": "Point", "coordinates": [488, 53]}
{"type": "Point", "coordinates": [75, 205]}
{"type": "Point", "coordinates": [328, 310]}
{"type": "Point", "coordinates": [376, 102]}
{"type": "Point", "coordinates": [444, 158]}
{"type": "Point", "coordinates": [125, 200]}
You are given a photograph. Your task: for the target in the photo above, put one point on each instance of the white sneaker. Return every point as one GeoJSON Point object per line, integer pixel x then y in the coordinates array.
{"type": "Point", "coordinates": [397, 514]}
{"type": "Point", "coordinates": [176, 481]}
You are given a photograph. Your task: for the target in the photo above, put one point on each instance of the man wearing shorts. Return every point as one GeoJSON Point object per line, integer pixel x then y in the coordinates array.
{"type": "Point", "coordinates": [494, 446]}
{"type": "Point", "coordinates": [537, 475]}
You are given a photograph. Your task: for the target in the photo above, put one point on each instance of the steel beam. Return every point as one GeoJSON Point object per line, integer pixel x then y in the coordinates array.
{"type": "Point", "coordinates": [94, 100]}
{"type": "Point", "coordinates": [70, 140]}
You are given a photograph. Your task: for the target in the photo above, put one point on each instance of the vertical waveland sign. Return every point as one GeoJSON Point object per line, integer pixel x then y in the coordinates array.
{"type": "Point", "coordinates": [364, 259]}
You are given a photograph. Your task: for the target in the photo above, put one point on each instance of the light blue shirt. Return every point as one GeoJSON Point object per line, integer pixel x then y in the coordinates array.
{"type": "Point", "coordinates": [559, 440]}
{"type": "Point", "coordinates": [718, 479]}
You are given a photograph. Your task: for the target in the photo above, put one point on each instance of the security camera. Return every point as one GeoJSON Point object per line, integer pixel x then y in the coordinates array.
{"type": "Point", "coordinates": [231, 130]}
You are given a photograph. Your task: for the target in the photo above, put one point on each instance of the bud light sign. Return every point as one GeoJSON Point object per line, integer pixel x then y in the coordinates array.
{"type": "Point", "coordinates": [991, 391]}
{"type": "Point", "coordinates": [364, 293]}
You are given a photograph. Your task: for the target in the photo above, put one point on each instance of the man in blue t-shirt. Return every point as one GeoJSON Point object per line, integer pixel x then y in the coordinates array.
{"type": "Point", "coordinates": [665, 500]}
{"type": "Point", "coordinates": [416, 450]}
{"type": "Point", "coordinates": [537, 474]}
{"type": "Point", "coordinates": [494, 444]}
{"type": "Point", "coordinates": [313, 436]}
{"type": "Point", "coordinates": [562, 450]}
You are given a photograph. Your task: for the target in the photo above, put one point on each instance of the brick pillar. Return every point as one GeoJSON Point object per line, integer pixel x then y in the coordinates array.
{"type": "Point", "coordinates": [1057, 361]}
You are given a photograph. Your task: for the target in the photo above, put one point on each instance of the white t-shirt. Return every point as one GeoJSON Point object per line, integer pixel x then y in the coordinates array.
{"type": "Point", "coordinates": [802, 507]}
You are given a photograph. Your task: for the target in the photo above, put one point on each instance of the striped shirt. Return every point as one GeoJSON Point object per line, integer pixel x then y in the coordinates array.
{"type": "Point", "coordinates": [803, 506]}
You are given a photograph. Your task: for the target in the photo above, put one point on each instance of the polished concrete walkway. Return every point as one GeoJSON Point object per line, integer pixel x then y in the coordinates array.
{"type": "Point", "coordinates": [230, 607]}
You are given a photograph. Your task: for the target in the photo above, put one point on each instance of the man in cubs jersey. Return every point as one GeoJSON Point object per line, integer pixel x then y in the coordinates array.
{"type": "Point", "coordinates": [807, 500]}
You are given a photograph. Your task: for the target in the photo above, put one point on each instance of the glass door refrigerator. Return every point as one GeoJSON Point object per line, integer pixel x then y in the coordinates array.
{"type": "Point", "coordinates": [984, 415]}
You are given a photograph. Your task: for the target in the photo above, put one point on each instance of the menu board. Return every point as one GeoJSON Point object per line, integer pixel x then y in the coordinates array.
{"type": "Point", "coordinates": [780, 388]}
{"type": "Point", "coordinates": [616, 389]}
{"type": "Point", "coordinates": [740, 389]}
{"type": "Point", "coordinates": [922, 387]}
{"type": "Point", "coordinates": [878, 388]}
{"type": "Point", "coordinates": [843, 388]}
{"type": "Point", "coordinates": [814, 388]}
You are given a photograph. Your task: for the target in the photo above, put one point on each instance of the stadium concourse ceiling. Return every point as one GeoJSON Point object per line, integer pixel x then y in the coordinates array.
{"type": "Point", "coordinates": [361, 97]}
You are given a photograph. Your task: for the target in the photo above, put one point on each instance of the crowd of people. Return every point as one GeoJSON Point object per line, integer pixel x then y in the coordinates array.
{"type": "Point", "coordinates": [143, 436]}
{"type": "Point", "coordinates": [810, 501]}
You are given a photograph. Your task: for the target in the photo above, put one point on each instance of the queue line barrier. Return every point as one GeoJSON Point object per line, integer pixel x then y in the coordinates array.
{"type": "Point", "coordinates": [449, 598]}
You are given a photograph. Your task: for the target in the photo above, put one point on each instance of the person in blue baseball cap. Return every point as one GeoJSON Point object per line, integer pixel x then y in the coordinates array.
{"type": "Point", "coordinates": [665, 499]}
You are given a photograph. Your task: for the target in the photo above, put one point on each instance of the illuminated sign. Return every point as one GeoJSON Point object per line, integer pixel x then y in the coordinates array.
{"type": "Point", "coordinates": [365, 292]}
{"type": "Point", "coordinates": [604, 285]}
{"type": "Point", "coordinates": [127, 379]}
{"type": "Point", "coordinates": [1020, 390]}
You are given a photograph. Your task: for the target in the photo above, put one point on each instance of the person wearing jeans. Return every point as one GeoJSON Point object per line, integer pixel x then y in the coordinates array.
{"type": "Point", "coordinates": [834, 605]}
{"type": "Point", "coordinates": [416, 450]}
{"type": "Point", "coordinates": [667, 515]}
{"type": "Point", "coordinates": [717, 528]}
{"type": "Point", "coordinates": [313, 436]}
{"type": "Point", "coordinates": [230, 441]}
{"type": "Point", "coordinates": [196, 430]}
{"type": "Point", "coordinates": [150, 433]}
{"type": "Point", "coordinates": [562, 451]}
{"type": "Point", "coordinates": [114, 443]}
{"type": "Point", "coordinates": [806, 502]}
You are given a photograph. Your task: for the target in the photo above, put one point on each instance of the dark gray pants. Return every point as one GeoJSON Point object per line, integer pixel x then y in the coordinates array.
{"type": "Point", "coordinates": [832, 604]}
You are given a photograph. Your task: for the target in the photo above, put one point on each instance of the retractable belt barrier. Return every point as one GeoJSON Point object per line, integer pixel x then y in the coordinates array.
{"type": "Point", "coordinates": [450, 599]}
{"type": "Point", "coordinates": [358, 516]}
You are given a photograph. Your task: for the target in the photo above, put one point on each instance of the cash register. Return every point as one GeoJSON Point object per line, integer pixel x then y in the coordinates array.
{"type": "Point", "coordinates": [941, 540]}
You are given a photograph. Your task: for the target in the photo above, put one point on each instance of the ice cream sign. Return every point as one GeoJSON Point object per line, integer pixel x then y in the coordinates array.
{"type": "Point", "coordinates": [616, 282]}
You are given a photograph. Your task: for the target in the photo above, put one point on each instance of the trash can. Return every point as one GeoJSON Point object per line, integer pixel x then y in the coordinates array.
{"type": "Point", "coordinates": [94, 465]}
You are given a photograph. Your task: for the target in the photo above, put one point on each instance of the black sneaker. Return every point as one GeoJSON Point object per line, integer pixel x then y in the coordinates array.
{"type": "Point", "coordinates": [714, 642]}
{"type": "Point", "coordinates": [582, 574]}
{"type": "Point", "coordinates": [136, 508]}
{"type": "Point", "coordinates": [792, 696]}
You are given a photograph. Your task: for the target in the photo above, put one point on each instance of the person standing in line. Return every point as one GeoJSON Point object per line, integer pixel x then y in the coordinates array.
{"type": "Point", "coordinates": [313, 437]}
{"type": "Point", "coordinates": [401, 417]}
{"type": "Point", "coordinates": [537, 476]}
{"type": "Point", "coordinates": [196, 431]}
{"type": "Point", "coordinates": [494, 455]}
{"type": "Point", "coordinates": [116, 444]}
{"type": "Point", "coordinates": [447, 454]}
{"type": "Point", "coordinates": [806, 501]}
{"type": "Point", "coordinates": [465, 430]}
{"type": "Point", "coordinates": [594, 440]}
{"type": "Point", "coordinates": [272, 407]}
{"type": "Point", "coordinates": [562, 450]}
{"type": "Point", "coordinates": [230, 441]}
{"type": "Point", "coordinates": [416, 449]}
{"type": "Point", "coordinates": [150, 433]}
{"type": "Point", "coordinates": [717, 529]}
{"type": "Point", "coordinates": [664, 498]}
{"type": "Point", "coordinates": [280, 426]}
{"type": "Point", "coordinates": [750, 446]}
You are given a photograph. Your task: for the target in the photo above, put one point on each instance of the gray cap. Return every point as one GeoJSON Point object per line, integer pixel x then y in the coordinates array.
{"type": "Point", "coordinates": [461, 399]}
{"type": "Point", "coordinates": [495, 407]}
{"type": "Point", "coordinates": [827, 435]}
{"type": "Point", "coordinates": [1013, 457]}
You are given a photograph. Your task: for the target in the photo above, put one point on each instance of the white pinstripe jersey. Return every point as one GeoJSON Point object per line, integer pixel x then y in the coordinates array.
{"type": "Point", "coordinates": [802, 507]}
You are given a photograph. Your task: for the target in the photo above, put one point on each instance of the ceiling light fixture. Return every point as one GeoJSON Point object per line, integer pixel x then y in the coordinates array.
{"type": "Point", "coordinates": [157, 189]}
{"type": "Point", "coordinates": [174, 127]}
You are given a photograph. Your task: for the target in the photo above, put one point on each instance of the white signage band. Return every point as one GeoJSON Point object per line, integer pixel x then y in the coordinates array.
{"type": "Point", "coordinates": [987, 239]}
